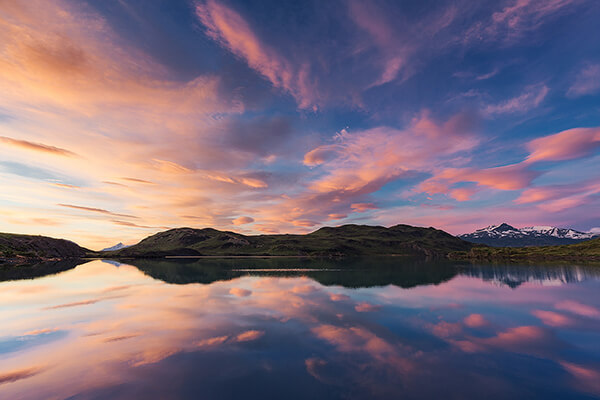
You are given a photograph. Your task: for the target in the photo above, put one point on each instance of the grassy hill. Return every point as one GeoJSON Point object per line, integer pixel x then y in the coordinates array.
{"type": "Point", "coordinates": [29, 247]}
{"type": "Point", "coordinates": [345, 240]}
{"type": "Point", "coordinates": [583, 251]}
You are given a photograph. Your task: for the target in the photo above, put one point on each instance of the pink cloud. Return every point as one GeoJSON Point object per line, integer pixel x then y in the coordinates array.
{"type": "Point", "coordinates": [589, 377]}
{"type": "Point", "coordinates": [463, 194]}
{"type": "Point", "coordinates": [232, 31]}
{"type": "Point", "coordinates": [552, 318]}
{"type": "Point", "coordinates": [367, 307]}
{"type": "Point", "coordinates": [565, 145]}
{"type": "Point", "coordinates": [578, 308]}
{"type": "Point", "coordinates": [475, 321]}
{"type": "Point", "coordinates": [509, 177]}
{"type": "Point", "coordinates": [446, 329]}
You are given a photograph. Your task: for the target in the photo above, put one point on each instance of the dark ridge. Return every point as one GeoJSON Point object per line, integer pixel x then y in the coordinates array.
{"type": "Point", "coordinates": [345, 240]}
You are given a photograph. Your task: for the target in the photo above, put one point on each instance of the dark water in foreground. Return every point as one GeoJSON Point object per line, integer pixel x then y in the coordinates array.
{"type": "Point", "coordinates": [287, 328]}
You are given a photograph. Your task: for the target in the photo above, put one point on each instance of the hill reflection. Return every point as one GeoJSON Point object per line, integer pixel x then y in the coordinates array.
{"type": "Point", "coordinates": [360, 272]}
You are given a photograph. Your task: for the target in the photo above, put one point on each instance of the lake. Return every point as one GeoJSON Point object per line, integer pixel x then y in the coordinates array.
{"type": "Point", "coordinates": [299, 329]}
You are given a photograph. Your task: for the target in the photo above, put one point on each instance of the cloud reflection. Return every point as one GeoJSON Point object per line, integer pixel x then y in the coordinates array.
{"type": "Point", "coordinates": [320, 335]}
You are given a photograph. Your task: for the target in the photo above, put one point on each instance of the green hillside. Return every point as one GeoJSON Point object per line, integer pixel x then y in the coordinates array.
{"type": "Point", "coordinates": [24, 247]}
{"type": "Point", "coordinates": [584, 251]}
{"type": "Point", "coordinates": [339, 241]}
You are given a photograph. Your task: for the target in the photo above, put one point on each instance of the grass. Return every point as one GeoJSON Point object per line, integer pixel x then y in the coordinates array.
{"type": "Point", "coordinates": [347, 240]}
{"type": "Point", "coordinates": [584, 251]}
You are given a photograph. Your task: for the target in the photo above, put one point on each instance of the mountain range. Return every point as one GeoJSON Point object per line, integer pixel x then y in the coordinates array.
{"type": "Point", "coordinates": [505, 235]}
{"type": "Point", "coordinates": [345, 240]}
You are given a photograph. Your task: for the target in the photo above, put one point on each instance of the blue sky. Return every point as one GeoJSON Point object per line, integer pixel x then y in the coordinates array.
{"type": "Point", "coordinates": [286, 116]}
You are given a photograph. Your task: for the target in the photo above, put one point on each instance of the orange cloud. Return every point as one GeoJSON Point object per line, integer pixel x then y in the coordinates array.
{"type": "Point", "coordinates": [44, 148]}
{"type": "Point", "coordinates": [249, 336]}
{"type": "Point", "coordinates": [239, 292]}
{"type": "Point", "coordinates": [362, 207]}
{"type": "Point", "coordinates": [13, 376]}
{"type": "Point", "coordinates": [96, 210]}
{"type": "Point", "coordinates": [242, 220]}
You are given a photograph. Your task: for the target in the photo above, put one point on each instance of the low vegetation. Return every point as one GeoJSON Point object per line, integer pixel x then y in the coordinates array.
{"type": "Point", "coordinates": [346, 240]}
{"type": "Point", "coordinates": [585, 251]}
{"type": "Point", "coordinates": [16, 248]}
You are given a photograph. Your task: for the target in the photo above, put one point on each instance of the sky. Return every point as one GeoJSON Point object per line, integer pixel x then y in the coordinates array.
{"type": "Point", "coordinates": [122, 118]}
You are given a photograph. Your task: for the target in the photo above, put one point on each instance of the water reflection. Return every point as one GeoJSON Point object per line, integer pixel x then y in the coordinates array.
{"type": "Point", "coordinates": [348, 272]}
{"type": "Point", "coordinates": [113, 331]}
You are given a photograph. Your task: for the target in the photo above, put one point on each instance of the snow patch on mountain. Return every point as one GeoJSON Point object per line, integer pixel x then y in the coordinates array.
{"type": "Point", "coordinates": [117, 246]}
{"type": "Point", "coordinates": [507, 235]}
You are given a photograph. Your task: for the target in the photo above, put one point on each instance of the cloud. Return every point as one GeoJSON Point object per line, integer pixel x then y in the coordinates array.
{"type": "Point", "coordinates": [249, 336]}
{"type": "Point", "coordinates": [242, 220]}
{"type": "Point", "coordinates": [16, 375]}
{"type": "Point", "coordinates": [528, 100]}
{"type": "Point", "coordinates": [578, 308]}
{"type": "Point", "coordinates": [36, 146]}
{"type": "Point", "coordinates": [518, 19]}
{"type": "Point", "coordinates": [232, 31]}
{"type": "Point", "coordinates": [214, 341]}
{"type": "Point", "coordinates": [475, 321]}
{"type": "Point", "coordinates": [362, 207]}
{"type": "Point", "coordinates": [74, 304]}
{"type": "Point", "coordinates": [96, 210]}
{"type": "Point", "coordinates": [556, 198]}
{"type": "Point", "coordinates": [239, 292]}
{"type": "Point", "coordinates": [552, 318]}
{"type": "Point", "coordinates": [135, 180]}
{"type": "Point", "coordinates": [132, 225]}
{"type": "Point", "coordinates": [508, 177]}
{"type": "Point", "coordinates": [587, 82]}
{"type": "Point", "coordinates": [565, 145]}
{"type": "Point", "coordinates": [462, 194]}
{"type": "Point", "coordinates": [366, 307]}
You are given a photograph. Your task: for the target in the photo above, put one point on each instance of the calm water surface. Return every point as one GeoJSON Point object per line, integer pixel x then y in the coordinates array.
{"type": "Point", "coordinates": [286, 328]}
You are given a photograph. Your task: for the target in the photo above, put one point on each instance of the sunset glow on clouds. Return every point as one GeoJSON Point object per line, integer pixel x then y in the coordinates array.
{"type": "Point", "coordinates": [117, 120]}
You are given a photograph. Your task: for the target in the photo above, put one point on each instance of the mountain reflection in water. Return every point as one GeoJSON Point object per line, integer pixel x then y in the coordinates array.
{"type": "Point", "coordinates": [290, 328]}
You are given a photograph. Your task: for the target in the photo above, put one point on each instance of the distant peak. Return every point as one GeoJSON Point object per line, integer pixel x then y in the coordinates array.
{"type": "Point", "coordinates": [117, 246]}
{"type": "Point", "coordinates": [499, 228]}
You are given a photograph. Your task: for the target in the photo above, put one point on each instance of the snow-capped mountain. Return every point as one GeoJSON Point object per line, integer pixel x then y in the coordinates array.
{"type": "Point", "coordinates": [118, 246]}
{"type": "Point", "coordinates": [504, 235]}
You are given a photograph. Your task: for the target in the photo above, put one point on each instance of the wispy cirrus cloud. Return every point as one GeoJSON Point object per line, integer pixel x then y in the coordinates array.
{"type": "Point", "coordinates": [518, 18]}
{"type": "Point", "coordinates": [231, 30]}
{"type": "Point", "coordinates": [531, 98]}
{"type": "Point", "coordinates": [44, 148]}
{"type": "Point", "coordinates": [96, 210]}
